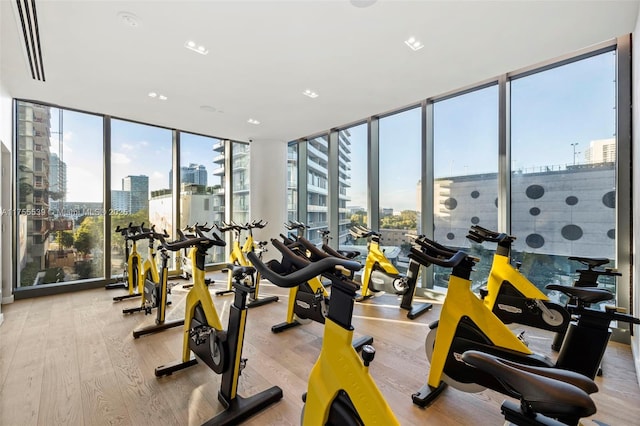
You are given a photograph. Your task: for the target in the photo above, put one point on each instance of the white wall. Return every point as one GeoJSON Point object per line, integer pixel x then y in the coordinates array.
{"type": "Point", "coordinates": [268, 189]}
{"type": "Point", "coordinates": [5, 139]}
{"type": "Point", "coordinates": [635, 146]}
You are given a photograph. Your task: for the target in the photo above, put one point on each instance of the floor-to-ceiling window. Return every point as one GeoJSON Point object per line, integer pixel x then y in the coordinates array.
{"type": "Point", "coordinates": [240, 182]}
{"type": "Point", "coordinates": [60, 216]}
{"type": "Point", "coordinates": [202, 184]}
{"type": "Point", "coordinates": [353, 184]}
{"type": "Point", "coordinates": [292, 181]}
{"type": "Point", "coordinates": [532, 154]}
{"type": "Point", "coordinates": [60, 209]}
{"type": "Point", "coordinates": [400, 171]}
{"type": "Point", "coordinates": [141, 163]}
{"type": "Point", "coordinates": [465, 169]}
{"type": "Point", "coordinates": [563, 162]}
{"type": "Point", "coordinates": [317, 187]}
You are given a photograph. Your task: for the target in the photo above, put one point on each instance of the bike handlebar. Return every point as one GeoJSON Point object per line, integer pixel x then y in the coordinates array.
{"type": "Point", "coordinates": [129, 230]}
{"type": "Point", "coordinates": [294, 224]}
{"type": "Point", "coordinates": [304, 274]}
{"type": "Point", "coordinates": [359, 231]}
{"type": "Point", "coordinates": [479, 234]}
{"type": "Point", "coordinates": [432, 246]}
{"type": "Point", "coordinates": [199, 239]}
{"type": "Point", "coordinates": [451, 262]}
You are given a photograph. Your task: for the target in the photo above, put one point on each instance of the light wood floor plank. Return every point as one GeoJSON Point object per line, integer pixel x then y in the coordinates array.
{"type": "Point", "coordinates": [71, 359]}
{"type": "Point", "coordinates": [103, 402]}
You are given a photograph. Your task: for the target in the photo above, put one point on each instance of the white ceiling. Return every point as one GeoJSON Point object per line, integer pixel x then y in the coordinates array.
{"type": "Point", "coordinates": [264, 54]}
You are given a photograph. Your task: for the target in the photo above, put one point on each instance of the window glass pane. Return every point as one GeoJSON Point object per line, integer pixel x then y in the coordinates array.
{"type": "Point", "coordinates": [292, 181]}
{"type": "Point", "coordinates": [563, 148]}
{"type": "Point", "coordinates": [353, 184]}
{"type": "Point", "coordinates": [202, 184]}
{"type": "Point", "coordinates": [240, 181]}
{"type": "Point", "coordinates": [465, 164]}
{"type": "Point", "coordinates": [317, 187]}
{"type": "Point", "coordinates": [400, 172]}
{"type": "Point", "coordinates": [60, 195]}
{"type": "Point", "coordinates": [141, 158]}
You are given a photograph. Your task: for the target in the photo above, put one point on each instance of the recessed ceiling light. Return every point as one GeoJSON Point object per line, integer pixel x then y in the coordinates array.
{"type": "Point", "coordinates": [129, 19]}
{"type": "Point", "coordinates": [413, 43]}
{"type": "Point", "coordinates": [192, 45]}
{"type": "Point", "coordinates": [158, 96]}
{"type": "Point", "coordinates": [310, 93]}
{"type": "Point", "coordinates": [252, 121]}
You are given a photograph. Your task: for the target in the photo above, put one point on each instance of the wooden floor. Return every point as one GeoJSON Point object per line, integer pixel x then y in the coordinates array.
{"type": "Point", "coordinates": [71, 360]}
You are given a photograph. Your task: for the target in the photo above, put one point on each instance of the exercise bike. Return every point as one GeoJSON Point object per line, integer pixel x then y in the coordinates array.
{"type": "Point", "coordinates": [467, 324]}
{"type": "Point", "coordinates": [149, 283]}
{"type": "Point", "coordinates": [586, 278]}
{"type": "Point", "coordinates": [155, 296]}
{"type": "Point", "coordinates": [238, 257]}
{"type": "Point", "coordinates": [308, 301]}
{"type": "Point", "coordinates": [219, 349]}
{"type": "Point", "coordinates": [515, 299]}
{"type": "Point", "coordinates": [411, 278]}
{"type": "Point", "coordinates": [510, 295]}
{"type": "Point", "coordinates": [341, 390]}
{"type": "Point", "coordinates": [131, 274]}
{"type": "Point", "coordinates": [379, 273]}
{"type": "Point", "coordinates": [124, 282]}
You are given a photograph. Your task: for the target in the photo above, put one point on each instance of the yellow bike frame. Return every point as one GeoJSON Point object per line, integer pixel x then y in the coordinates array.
{"type": "Point", "coordinates": [134, 259]}
{"type": "Point", "coordinates": [502, 270]}
{"type": "Point", "coordinates": [339, 368]}
{"type": "Point", "coordinates": [460, 302]}
{"type": "Point", "coordinates": [198, 295]}
{"type": "Point", "coordinates": [237, 256]}
{"type": "Point", "coordinates": [375, 256]}
{"type": "Point", "coordinates": [149, 265]}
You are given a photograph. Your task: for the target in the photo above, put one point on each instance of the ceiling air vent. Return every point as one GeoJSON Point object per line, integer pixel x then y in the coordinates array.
{"type": "Point", "coordinates": [29, 22]}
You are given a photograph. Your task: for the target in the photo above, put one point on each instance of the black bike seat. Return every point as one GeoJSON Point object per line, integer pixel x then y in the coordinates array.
{"type": "Point", "coordinates": [584, 294]}
{"type": "Point", "coordinates": [548, 391]}
{"type": "Point", "coordinates": [590, 262]}
{"type": "Point", "coordinates": [344, 254]}
{"type": "Point", "coordinates": [239, 271]}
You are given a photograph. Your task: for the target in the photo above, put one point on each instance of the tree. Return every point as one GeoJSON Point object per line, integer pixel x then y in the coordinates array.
{"type": "Point", "coordinates": [64, 239]}
{"type": "Point", "coordinates": [88, 234]}
{"type": "Point", "coordinates": [407, 219]}
{"type": "Point", "coordinates": [359, 218]}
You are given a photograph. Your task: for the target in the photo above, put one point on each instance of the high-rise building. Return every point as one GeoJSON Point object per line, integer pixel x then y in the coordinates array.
{"type": "Point", "coordinates": [218, 172]}
{"type": "Point", "coordinates": [138, 188]}
{"type": "Point", "coordinates": [120, 200]}
{"type": "Point", "coordinates": [194, 173]}
{"type": "Point", "coordinates": [344, 183]}
{"type": "Point", "coordinates": [34, 131]}
{"type": "Point", "coordinates": [57, 175]}
{"type": "Point", "coordinates": [601, 151]}
{"type": "Point", "coordinates": [240, 182]}
{"type": "Point", "coordinates": [317, 187]}
{"type": "Point", "coordinates": [57, 182]}
{"type": "Point", "coordinates": [317, 162]}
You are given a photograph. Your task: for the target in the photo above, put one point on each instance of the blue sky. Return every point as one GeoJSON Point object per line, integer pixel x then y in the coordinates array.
{"type": "Point", "coordinates": [550, 111]}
